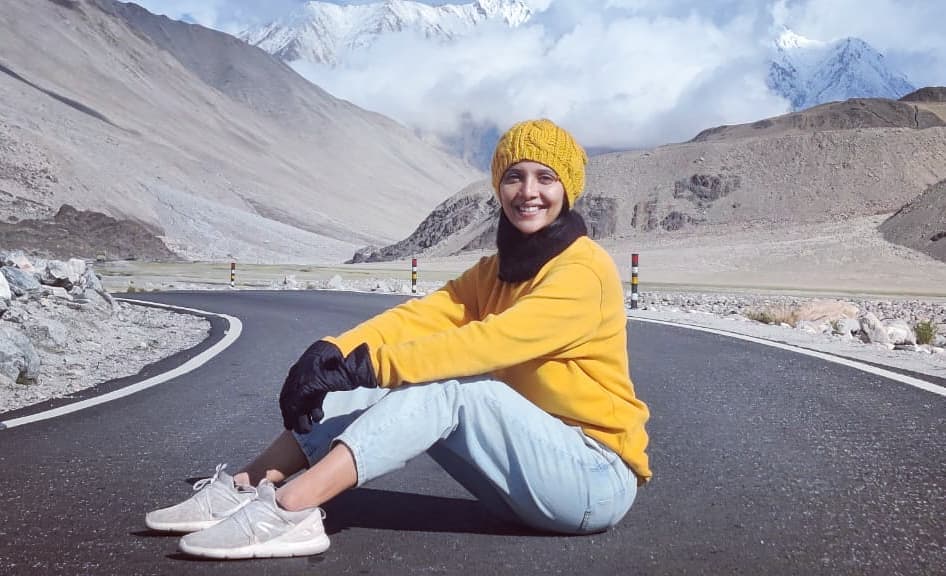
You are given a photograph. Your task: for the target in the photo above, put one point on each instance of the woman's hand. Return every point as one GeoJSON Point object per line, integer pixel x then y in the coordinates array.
{"type": "Point", "coordinates": [321, 369]}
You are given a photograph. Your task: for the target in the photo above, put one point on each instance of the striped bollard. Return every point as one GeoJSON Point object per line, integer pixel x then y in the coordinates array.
{"type": "Point", "coordinates": [634, 295]}
{"type": "Point", "coordinates": [413, 275]}
{"type": "Point", "coordinates": [232, 274]}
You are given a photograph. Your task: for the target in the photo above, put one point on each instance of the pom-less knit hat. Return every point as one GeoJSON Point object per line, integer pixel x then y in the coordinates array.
{"type": "Point", "coordinates": [544, 142]}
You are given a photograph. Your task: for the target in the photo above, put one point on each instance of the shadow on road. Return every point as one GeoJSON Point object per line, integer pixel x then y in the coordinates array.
{"type": "Point", "coordinates": [389, 510]}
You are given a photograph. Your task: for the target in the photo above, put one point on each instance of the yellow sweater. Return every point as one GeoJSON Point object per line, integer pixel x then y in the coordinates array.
{"type": "Point", "coordinates": [558, 339]}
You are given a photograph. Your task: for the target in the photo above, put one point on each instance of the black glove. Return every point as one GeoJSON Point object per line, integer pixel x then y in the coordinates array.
{"type": "Point", "coordinates": [300, 407]}
{"type": "Point", "coordinates": [321, 369]}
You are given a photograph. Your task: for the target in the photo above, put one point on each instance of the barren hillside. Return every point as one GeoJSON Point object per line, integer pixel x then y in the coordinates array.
{"type": "Point", "coordinates": [848, 115]}
{"type": "Point", "coordinates": [927, 94]}
{"type": "Point", "coordinates": [932, 99]}
{"type": "Point", "coordinates": [72, 233]}
{"type": "Point", "coordinates": [921, 224]}
{"type": "Point", "coordinates": [794, 169]}
{"type": "Point", "coordinates": [212, 143]}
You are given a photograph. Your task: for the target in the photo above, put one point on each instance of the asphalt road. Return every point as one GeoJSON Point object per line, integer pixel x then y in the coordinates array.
{"type": "Point", "coordinates": [766, 462]}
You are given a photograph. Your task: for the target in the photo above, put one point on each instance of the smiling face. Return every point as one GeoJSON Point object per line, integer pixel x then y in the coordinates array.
{"type": "Point", "coordinates": [532, 196]}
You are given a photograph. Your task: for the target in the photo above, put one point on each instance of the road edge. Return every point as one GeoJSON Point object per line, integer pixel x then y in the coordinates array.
{"type": "Point", "coordinates": [857, 365]}
{"type": "Point", "coordinates": [230, 335]}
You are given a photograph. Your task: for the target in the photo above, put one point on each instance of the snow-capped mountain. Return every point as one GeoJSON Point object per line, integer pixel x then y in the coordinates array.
{"type": "Point", "coordinates": [320, 36]}
{"type": "Point", "coordinates": [808, 72]}
{"type": "Point", "coordinates": [322, 32]}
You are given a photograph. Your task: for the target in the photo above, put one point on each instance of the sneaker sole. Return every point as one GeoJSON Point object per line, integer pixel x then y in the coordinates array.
{"type": "Point", "coordinates": [270, 549]}
{"type": "Point", "coordinates": [180, 527]}
{"type": "Point", "coordinates": [188, 527]}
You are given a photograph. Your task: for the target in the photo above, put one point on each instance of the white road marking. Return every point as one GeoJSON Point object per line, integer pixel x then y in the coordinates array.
{"type": "Point", "coordinates": [230, 336]}
{"type": "Point", "coordinates": [236, 328]}
{"type": "Point", "coordinates": [909, 380]}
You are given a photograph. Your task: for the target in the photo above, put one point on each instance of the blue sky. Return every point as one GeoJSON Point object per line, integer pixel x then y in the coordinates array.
{"type": "Point", "coordinates": [618, 72]}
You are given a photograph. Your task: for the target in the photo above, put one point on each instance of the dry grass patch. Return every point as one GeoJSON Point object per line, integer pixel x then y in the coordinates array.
{"type": "Point", "coordinates": [774, 315]}
{"type": "Point", "coordinates": [925, 332]}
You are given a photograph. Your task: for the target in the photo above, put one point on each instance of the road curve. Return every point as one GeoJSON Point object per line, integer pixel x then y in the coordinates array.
{"type": "Point", "coordinates": [765, 461]}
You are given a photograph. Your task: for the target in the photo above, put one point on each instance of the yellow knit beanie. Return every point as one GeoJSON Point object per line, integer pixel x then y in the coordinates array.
{"type": "Point", "coordinates": [544, 142]}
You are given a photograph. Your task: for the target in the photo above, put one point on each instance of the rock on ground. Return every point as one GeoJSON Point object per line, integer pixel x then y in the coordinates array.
{"type": "Point", "coordinates": [61, 332]}
{"type": "Point", "coordinates": [99, 347]}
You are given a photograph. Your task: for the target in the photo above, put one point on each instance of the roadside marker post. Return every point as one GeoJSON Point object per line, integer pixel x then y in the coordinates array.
{"type": "Point", "coordinates": [634, 268]}
{"type": "Point", "coordinates": [413, 275]}
{"type": "Point", "coordinates": [232, 274]}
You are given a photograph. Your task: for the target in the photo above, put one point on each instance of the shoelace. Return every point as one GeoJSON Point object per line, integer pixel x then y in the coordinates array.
{"type": "Point", "coordinates": [200, 484]}
{"type": "Point", "coordinates": [204, 502]}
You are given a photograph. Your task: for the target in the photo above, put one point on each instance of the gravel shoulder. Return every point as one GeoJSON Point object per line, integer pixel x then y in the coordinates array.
{"type": "Point", "coordinates": [923, 363]}
{"type": "Point", "coordinates": [136, 336]}
{"type": "Point", "coordinates": [79, 349]}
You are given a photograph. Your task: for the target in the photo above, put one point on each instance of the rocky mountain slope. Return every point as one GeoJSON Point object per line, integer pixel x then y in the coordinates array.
{"type": "Point", "coordinates": [91, 234]}
{"type": "Point", "coordinates": [212, 144]}
{"type": "Point", "coordinates": [827, 164]}
{"type": "Point", "coordinates": [932, 99]}
{"type": "Point", "coordinates": [928, 94]}
{"type": "Point", "coordinates": [858, 113]}
{"type": "Point", "coordinates": [921, 224]}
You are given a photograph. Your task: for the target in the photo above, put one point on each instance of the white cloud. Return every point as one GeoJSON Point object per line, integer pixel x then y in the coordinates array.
{"type": "Point", "coordinates": [204, 13]}
{"type": "Point", "coordinates": [618, 73]}
{"type": "Point", "coordinates": [229, 16]}
{"type": "Point", "coordinates": [616, 76]}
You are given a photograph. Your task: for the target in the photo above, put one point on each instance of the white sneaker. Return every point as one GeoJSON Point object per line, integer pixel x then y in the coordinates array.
{"type": "Point", "coordinates": [217, 497]}
{"type": "Point", "coordinates": [261, 530]}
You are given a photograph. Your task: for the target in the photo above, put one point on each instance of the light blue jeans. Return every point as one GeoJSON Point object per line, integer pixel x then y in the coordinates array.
{"type": "Point", "coordinates": [523, 464]}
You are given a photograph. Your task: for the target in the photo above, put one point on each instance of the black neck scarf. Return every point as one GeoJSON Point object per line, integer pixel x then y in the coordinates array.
{"type": "Point", "coordinates": [521, 256]}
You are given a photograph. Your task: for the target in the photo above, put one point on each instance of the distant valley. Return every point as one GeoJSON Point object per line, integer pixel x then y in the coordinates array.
{"type": "Point", "coordinates": [130, 135]}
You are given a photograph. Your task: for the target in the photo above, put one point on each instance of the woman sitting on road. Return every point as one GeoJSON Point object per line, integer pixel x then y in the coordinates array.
{"type": "Point", "coordinates": [554, 440]}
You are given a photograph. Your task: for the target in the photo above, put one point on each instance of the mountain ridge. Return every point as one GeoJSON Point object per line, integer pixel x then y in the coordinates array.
{"type": "Point", "coordinates": [846, 115]}
{"type": "Point", "coordinates": [118, 115]}
{"type": "Point", "coordinates": [843, 161]}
